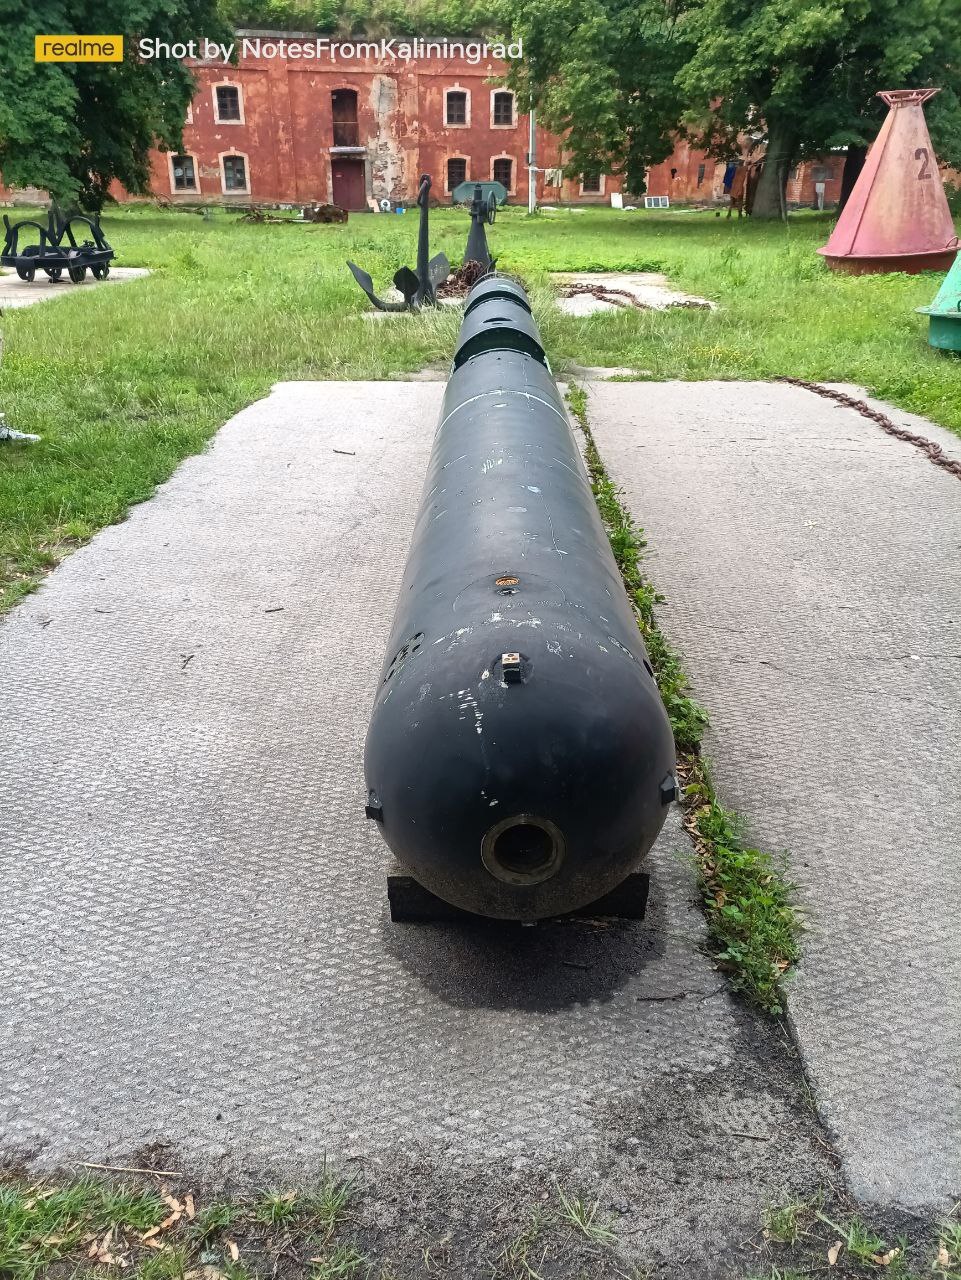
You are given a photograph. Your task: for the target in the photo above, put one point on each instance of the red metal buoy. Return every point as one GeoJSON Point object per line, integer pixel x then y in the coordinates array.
{"type": "Point", "coordinates": [897, 217]}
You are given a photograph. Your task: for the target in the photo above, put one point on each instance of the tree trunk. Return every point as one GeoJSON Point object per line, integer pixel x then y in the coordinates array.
{"type": "Point", "coordinates": [853, 164]}
{"type": "Point", "coordinates": [769, 201]}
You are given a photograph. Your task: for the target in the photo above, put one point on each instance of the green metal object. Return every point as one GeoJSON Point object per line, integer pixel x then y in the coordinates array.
{"type": "Point", "coordinates": [944, 330]}
{"type": "Point", "coordinates": [463, 193]}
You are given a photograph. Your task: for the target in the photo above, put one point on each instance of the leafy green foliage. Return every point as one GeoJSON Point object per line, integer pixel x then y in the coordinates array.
{"type": "Point", "coordinates": [368, 17]}
{"type": "Point", "coordinates": [747, 899]}
{"type": "Point", "coordinates": [601, 72]}
{"type": "Point", "coordinates": [623, 77]}
{"type": "Point", "coordinates": [804, 75]}
{"type": "Point", "coordinates": [73, 128]}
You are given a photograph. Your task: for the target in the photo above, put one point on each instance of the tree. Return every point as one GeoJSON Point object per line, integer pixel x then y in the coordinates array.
{"type": "Point", "coordinates": [802, 75]}
{"type": "Point", "coordinates": [368, 17]}
{"type": "Point", "coordinates": [73, 128]}
{"type": "Point", "coordinates": [797, 77]}
{"type": "Point", "coordinates": [601, 73]}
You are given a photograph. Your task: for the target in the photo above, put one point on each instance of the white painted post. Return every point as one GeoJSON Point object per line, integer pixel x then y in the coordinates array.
{"type": "Point", "coordinates": [531, 163]}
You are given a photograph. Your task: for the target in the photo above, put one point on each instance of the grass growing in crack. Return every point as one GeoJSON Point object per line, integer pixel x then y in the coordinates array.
{"type": "Point", "coordinates": [786, 1223]}
{"type": "Point", "coordinates": [327, 1202]}
{"type": "Point", "coordinates": [277, 1207]}
{"type": "Point", "coordinates": [172, 1264]}
{"type": "Point", "coordinates": [214, 1218]}
{"type": "Point", "coordinates": [318, 1209]}
{"type": "Point", "coordinates": [781, 1223]}
{"type": "Point", "coordinates": [627, 542]}
{"type": "Point", "coordinates": [751, 921]}
{"type": "Point", "coordinates": [947, 1260]}
{"type": "Point", "coordinates": [869, 1249]}
{"type": "Point", "coordinates": [344, 1263]}
{"type": "Point", "coordinates": [521, 1258]}
{"type": "Point", "coordinates": [582, 1216]}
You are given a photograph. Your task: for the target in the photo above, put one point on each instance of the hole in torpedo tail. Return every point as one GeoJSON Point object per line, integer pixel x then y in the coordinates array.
{"type": "Point", "coordinates": [523, 849]}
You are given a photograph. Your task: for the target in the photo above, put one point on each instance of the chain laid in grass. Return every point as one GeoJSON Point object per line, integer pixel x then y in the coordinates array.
{"type": "Point", "coordinates": [751, 921]}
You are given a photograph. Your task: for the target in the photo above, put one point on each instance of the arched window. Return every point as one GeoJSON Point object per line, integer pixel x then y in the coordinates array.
{"type": "Point", "coordinates": [183, 173]}
{"type": "Point", "coordinates": [228, 104]}
{"type": "Point", "coordinates": [234, 176]}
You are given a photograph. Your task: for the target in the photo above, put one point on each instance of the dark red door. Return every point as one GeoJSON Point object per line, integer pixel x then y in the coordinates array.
{"type": "Point", "coordinates": [348, 172]}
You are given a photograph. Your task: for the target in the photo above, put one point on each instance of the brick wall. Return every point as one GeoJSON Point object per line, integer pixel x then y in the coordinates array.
{"type": "Point", "coordinates": [287, 142]}
{"type": "Point", "coordinates": [284, 149]}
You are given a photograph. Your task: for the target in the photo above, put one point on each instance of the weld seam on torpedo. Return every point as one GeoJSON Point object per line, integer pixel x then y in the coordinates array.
{"type": "Point", "coordinates": [485, 395]}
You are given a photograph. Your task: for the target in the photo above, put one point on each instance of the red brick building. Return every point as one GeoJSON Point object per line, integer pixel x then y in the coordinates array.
{"type": "Point", "coordinates": [283, 130]}
{"type": "Point", "coordinates": [690, 176]}
{"type": "Point", "coordinates": [280, 127]}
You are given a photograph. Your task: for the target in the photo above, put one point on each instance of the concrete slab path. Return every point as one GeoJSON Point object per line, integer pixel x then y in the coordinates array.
{"type": "Point", "coordinates": [15, 292]}
{"type": "Point", "coordinates": [812, 567]}
{"type": "Point", "coordinates": [193, 933]}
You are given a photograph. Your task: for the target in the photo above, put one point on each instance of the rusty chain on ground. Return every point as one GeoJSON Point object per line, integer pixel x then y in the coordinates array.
{"type": "Point", "coordinates": [933, 451]}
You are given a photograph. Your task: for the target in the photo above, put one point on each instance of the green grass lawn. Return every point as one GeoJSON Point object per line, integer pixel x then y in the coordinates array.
{"type": "Point", "coordinates": [124, 381]}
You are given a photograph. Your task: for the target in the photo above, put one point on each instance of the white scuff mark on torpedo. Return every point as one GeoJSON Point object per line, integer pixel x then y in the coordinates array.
{"type": "Point", "coordinates": [492, 803]}
{"type": "Point", "coordinates": [532, 488]}
{"type": "Point", "coordinates": [623, 648]}
{"type": "Point", "coordinates": [486, 675]}
{"type": "Point", "coordinates": [561, 463]}
{"type": "Point", "coordinates": [553, 535]}
{"type": "Point", "coordinates": [438, 516]}
{"type": "Point", "coordinates": [496, 617]}
{"type": "Point", "coordinates": [470, 704]}
{"type": "Point", "coordinates": [516, 508]}
{"type": "Point", "coordinates": [453, 460]}
{"type": "Point", "coordinates": [554, 646]}
{"type": "Point", "coordinates": [424, 691]}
